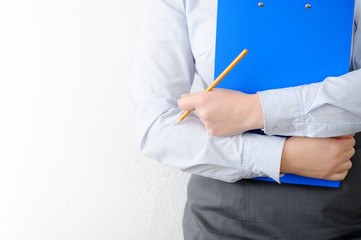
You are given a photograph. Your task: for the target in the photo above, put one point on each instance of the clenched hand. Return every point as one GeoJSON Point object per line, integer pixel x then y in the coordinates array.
{"type": "Point", "coordinates": [225, 112]}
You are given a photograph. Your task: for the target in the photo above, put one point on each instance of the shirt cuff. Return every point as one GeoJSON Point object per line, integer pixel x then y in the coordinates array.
{"type": "Point", "coordinates": [283, 112]}
{"type": "Point", "coordinates": [262, 156]}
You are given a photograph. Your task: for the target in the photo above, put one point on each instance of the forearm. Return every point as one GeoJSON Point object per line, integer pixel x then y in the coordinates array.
{"type": "Point", "coordinates": [328, 108]}
{"type": "Point", "coordinates": [163, 70]}
{"type": "Point", "coordinates": [190, 148]}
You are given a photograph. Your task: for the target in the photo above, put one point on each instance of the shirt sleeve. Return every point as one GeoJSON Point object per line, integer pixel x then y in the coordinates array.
{"type": "Point", "coordinates": [163, 70]}
{"type": "Point", "coordinates": [325, 109]}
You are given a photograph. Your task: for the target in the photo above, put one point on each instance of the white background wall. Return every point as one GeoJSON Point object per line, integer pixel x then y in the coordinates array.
{"type": "Point", "coordinates": [70, 168]}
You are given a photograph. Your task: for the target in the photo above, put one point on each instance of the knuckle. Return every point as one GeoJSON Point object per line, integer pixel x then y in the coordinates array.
{"type": "Point", "coordinates": [350, 153]}
{"type": "Point", "coordinates": [353, 151]}
{"type": "Point", "coordinates": [201, 114]}
{"type": "Point", "coordinates": [213, 131]}
{"type": "Point", "coordinates": [208, 129]}
{"type": "Point", "coordinates": [179, 102]}
{"type": "Point", "coordinates": [349, 165]}
{"type": "Point", "coordinates": [204, 114]}
{"type": "Point", "coordinates": [206, 125]}
{"type": "Point", "coordinates": [206, 117]}
{"type": "Point", "coordinates": [343, 175]}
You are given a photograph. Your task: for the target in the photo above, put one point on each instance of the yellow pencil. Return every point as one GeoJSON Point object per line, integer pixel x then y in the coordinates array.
{"type": "Point", "coordinates": [219, 78]}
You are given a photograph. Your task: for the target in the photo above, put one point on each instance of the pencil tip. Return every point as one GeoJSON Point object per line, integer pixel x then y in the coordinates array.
{"type": "Point", "coordinates": [177, 122]}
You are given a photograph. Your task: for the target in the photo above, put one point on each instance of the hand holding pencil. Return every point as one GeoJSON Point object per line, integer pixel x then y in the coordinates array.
{"type": "Point", "coordinates": [219, 78]}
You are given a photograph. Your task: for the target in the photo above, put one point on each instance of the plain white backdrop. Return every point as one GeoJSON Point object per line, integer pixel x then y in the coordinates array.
{"type": "Point", "coordinates": [70, 168]}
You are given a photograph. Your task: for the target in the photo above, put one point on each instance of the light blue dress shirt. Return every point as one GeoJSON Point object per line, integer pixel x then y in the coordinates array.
{"type": "Point", "coordinates": [176, 41]}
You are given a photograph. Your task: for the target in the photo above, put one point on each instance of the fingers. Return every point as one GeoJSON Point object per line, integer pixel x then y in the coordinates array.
{"type": "Point", "coordinates": [344, 167]}
{"type": "Point", "coordinates": [349, 143]}
{"type": "Point", "coordinates": [338, 176]}
{"type": "Point", "coordinates": [342, 170]}
{"type": "Point", "coordinates": [349, 153]}
{"type": "Point", "coordinates": [346, 143]}
{"type": "Point", "coordinates": [188, 101]}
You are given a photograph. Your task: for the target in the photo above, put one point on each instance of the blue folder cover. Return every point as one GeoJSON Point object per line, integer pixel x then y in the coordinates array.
{"type": "Point", "coordinates": [288, 44]}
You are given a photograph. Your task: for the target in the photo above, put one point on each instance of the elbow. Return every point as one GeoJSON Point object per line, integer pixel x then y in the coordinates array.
{"type": "Point", "coordinates": [153, 123]}
{"type": "Point", "coordinates": [146, 148]}
{"type": "Point", "coordinates": [152, 140]}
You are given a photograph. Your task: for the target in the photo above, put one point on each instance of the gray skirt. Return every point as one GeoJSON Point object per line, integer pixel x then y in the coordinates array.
{"type": "Point", "coordinates": [249, 209]}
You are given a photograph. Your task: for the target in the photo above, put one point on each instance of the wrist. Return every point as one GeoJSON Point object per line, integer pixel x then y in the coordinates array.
{"type": "Point", "coordinates": [285, 158]}
{"type": "Point", "coordinates": [258, 121]}
{"type": "Point", "coordinates": [293, 154]}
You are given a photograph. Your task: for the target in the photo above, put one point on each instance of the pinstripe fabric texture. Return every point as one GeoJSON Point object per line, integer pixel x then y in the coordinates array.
{"type": "Point", "coordinates": [249, 209]}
